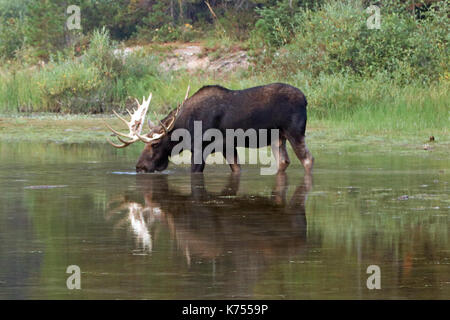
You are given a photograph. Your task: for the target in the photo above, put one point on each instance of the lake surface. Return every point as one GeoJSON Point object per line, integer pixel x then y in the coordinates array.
{"type": "Point", "coordinates": [213, 236]}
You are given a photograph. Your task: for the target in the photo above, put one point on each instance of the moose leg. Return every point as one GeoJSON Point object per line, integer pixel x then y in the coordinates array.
{"type": "Point", "coordinates": [197, 168]}
{"type": "Point", "coordinates": [280, 189]}
{"type": "Point", "coordinates": [280, 153]}
{"type": "Point", "coordinates": [233, 161]}
{"type": "Point", "coordinates": [198, 190]}
{"type": "Point", "coordinates": [232, 186]}
{"type": "Point", "coordinates": [197, 162]}
{"type": "Point", "coordinates": [302, 152]}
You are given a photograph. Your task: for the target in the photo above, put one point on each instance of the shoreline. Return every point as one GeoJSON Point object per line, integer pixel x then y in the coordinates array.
{"type": "Point", "coordinates": [327, 134]}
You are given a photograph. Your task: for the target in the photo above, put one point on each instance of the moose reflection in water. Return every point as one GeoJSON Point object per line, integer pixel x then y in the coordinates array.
{"type": "Point", "coordinates": [241, 232]}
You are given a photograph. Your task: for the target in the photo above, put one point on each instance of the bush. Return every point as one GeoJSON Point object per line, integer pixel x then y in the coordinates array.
{"type": "Point", "coordinates": [276, 25]}
{"type": "Point", "coordinates": [82, 84]}
{"type": "Point", "coordinates": [101, 54]}
{"type": "Point", "coordinates": [62, 85]}
{"type": "Point", "coordinates": [99, 81]}
{"type": "Point", "coordinates": [335, 39]}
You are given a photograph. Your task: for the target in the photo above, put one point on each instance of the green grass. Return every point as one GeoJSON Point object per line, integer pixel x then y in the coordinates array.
{"type": "Point", "coordinates": [346, 104]}
{"type": "Point", "coordinates": [356, 80]}
{"type": "Point", "coordinates": [351, 106]}
{"type": "Point", "coordinates": [377, 106]}
{"type": "Point", "coordinates": [321, 134]}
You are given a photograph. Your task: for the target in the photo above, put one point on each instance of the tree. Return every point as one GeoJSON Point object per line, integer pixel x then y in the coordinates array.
{"type": "Point", "coordinates": [44, 26]}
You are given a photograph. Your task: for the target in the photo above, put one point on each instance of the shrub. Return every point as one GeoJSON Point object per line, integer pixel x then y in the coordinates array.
{"type": "Point", "coordinates": [97, 82]}
{"type": "Point", "coordinates": [276, 25]}
{"type": "Point", "coordinates": [335, 39]}
{"type": "Point", "coordinates": [101, 54]}
{"type": "Point", "coordinates": [63, 85]}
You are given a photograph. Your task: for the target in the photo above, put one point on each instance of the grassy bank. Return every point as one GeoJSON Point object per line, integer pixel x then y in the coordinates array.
{"type": "Point", "coordinates": [321, 134]}
{"type": "Point", "coordinates": [391, 83]}
{"type": "Point", "coordinates": [357, 106]}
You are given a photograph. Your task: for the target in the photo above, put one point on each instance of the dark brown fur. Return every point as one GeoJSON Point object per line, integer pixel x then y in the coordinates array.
{"type": "Point", "coordinates": [274, 106]}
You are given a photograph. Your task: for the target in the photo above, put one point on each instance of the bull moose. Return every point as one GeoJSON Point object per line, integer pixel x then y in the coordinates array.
{"type": "Point", "coordinates": [276, 106]}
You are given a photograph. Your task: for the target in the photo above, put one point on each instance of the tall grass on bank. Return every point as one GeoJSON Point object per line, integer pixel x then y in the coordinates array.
{"type": "Point", "coordinates": [377, 105]}
{"type": "Point", "coordinates": [355, 104]}
{"type": "Point", "coordinates": [102, 79]}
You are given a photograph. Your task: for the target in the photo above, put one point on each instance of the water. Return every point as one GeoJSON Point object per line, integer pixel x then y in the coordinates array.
{"type": "Point", "coordinates": [177, 236]}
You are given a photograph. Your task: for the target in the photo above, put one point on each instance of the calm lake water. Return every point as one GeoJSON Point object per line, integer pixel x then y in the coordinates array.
{"type": "Point", "coordinates": [212, 236]}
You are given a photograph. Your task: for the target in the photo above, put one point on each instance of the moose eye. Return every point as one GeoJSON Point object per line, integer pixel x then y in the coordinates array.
{"type": "Point", "coordinates": [155, 144]}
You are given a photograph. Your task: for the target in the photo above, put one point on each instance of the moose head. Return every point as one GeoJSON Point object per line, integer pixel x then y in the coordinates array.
{"type": "Point", "coordinates": [155, 155]}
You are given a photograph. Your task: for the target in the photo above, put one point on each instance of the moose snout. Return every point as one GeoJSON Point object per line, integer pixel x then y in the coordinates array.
{"type": "Point", "coordinates": [140, 170]}
{"type": "Point", "coordinates": [143, 169]}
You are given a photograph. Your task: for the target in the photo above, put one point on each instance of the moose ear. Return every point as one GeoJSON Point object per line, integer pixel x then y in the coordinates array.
{"type": "Point", "coordinates": [151, 125]}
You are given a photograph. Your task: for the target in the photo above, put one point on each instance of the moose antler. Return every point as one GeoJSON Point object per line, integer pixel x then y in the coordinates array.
{"type": "Point", "coordinates": [136, 124]}
{"type": "Point", "coordinates": [176, 113]}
